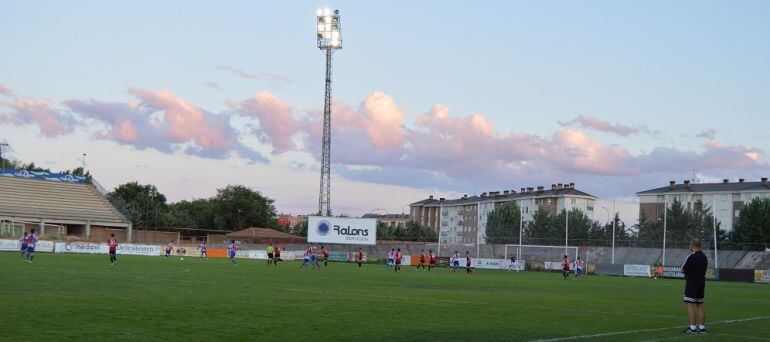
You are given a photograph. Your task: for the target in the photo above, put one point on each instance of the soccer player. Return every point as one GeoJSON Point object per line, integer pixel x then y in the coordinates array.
{"type": "Point", "coordinates": [169, 248]}
{"type": "Point", "coordinates": [694, 269]}
{"type": "Point", "coordinates": [277, 255]}
{"type": "Point", "coordinates": [432, 260]}
{"type": "Point", "coordinates": [202, 247]}
{"type": "Point", "coordinates": [391, 258]}
{"type": "Point", "coordinates": [31, 243]}
{"type": "Point", "coordinates": [270, 256]}
{"type": "Point", "coordinates": [360, 257]}
{"type": "Point", "coordinates": [325, 254]}
{"type": "Point", "coordinates": [513, 263]}
{"type": "Point", "coordinates": [23, 242]}
{"type": "Point", "coordinates": [113, 243]}
{"type": "Point", "coordinates": [310, 257]}
{"type": "Point", "coordinates": [455, 261]}
{"type": "Point", "coordinates": [422, 260]}
{"type": "Point", "coordinates": [468, 269]}
{"type": "Point", "coordinates": [579, 267]}
{"type": "Point", "coordinates": [398, 260]}
{"type": "Point", "coordinates": [233, 247]}
{"type": "Point", "coordinates": [565, 268]}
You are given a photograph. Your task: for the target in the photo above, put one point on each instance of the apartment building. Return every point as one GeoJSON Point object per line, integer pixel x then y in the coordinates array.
{"type": "Point", "coordinates": [464, 220]}
{"type": "Point", "coordinates": [392, 221]}
{"type": "Point", "coordinates": [726, 198]}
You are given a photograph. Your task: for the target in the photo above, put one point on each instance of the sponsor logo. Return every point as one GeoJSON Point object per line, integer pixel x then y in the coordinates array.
{"type": "Point", "coordinates": [324, 227]}
{"type": "Point", "coordinates": [351, 231]}
{"type": "Point", "coordinates": [24, 174]}
{"type": "Point", "coordinates": [69, 178]}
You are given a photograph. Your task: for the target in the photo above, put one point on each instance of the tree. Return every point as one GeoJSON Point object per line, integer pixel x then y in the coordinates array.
{"type": "Point", "coordinates": [237, 207]}
{"type": "Point", "coordinates": [503, 224]}
{"type": "Point", "coordinates": [198, 213]}
{"type": "Point", "coordinates": [754, 222]}
{"type": "Point", "coordinates": [145, 205]}
{"type": "Point", "coordinates": [539, 230]}
{"type": "Point", "coordinates": [580, 227]}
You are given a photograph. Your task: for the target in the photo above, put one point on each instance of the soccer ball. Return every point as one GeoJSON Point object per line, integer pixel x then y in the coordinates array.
{"type": "Point", "coordinates": [182, 258]}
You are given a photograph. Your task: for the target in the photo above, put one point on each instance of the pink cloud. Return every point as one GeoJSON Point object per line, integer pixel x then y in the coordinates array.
{"type": "Point", "coordinates": [383, 121]}
{"type": "Point", "coordinates": [52, 123]}
{"type": "Point", "coordinates": [5, 90]}
{"type": "Point", "coordinates": [277, 125]}
{"type": "Point", "coordinates": [160, 120]}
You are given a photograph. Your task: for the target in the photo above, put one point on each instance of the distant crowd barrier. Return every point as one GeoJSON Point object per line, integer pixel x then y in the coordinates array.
{"type": "Point", "coordinates": [602, 269]}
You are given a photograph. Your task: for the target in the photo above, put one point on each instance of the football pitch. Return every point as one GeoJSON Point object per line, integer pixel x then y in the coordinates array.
{"type": "Point", "coordinates": [82, 297]}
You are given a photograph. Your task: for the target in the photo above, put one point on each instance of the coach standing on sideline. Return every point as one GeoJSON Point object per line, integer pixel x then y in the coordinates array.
{"type": "Point", "coordinates": [694, 270]}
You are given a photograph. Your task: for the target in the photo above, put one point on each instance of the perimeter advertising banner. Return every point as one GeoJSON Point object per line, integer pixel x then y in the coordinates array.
{"type": "Point", "coordinates": [15, 245]}
{"type": "Point", "coordinates": [344, 230]}
{"type": "Point", "coordinates": [762, 276]}
{"type": "Point", "coordinates": [637, 270]}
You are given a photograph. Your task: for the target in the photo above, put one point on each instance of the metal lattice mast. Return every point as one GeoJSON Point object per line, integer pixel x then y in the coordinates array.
{"type": "Point", "coordinates": [329, 39]}
{"type": "Point", "coordinates": [324, 197]}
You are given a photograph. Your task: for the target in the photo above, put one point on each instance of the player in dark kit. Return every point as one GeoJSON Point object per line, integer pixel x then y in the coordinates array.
{"type": "Point", "coordinates": [113, 243]}
{"type": "Point", "coordinates": [565, 268]}
{"type": "Point", "coordinates": [431, 259]}
{"type": "Point", "coordinates": [694, 269]}
{"type": "Point", "coordinates": [360, 256]}
{"type": "Point", "coordinates": [422, 260]}
{"type": "Point", "coordinates": [468, 263]}
{"type": "Point", "coordinates": [325, 253]}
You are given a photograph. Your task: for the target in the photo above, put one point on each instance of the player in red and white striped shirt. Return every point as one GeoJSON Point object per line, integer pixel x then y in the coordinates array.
{"type": "Point", "coordinates": [113, 243]}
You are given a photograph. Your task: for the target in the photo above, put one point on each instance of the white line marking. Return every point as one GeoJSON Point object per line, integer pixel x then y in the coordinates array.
{"type": "Point", "coordinates": [615, 333]}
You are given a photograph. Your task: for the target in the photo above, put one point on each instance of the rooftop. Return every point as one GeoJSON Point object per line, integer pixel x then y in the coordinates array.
{"type": "Point", "coordinates": [724, 186]}
{"type": "Point", "coordinates": [556, 190]}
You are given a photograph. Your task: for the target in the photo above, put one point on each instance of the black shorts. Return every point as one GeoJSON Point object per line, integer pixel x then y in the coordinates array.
{"type": "Point", "coordinates": [269, 255]}
{"type": "Point", "coordinates": [113, 252]}
{"type": "Point", "coordinates": [694, 291]}
{"type": "Point", "coordinates": [398, 262]}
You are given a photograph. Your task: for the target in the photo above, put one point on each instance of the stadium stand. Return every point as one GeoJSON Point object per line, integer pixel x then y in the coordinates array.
{"type": "Point", "coordinates": [74, 209]}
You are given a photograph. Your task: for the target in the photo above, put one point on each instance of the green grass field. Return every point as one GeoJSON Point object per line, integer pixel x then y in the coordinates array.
{"type": "Point", "coordinates": [82, 297]}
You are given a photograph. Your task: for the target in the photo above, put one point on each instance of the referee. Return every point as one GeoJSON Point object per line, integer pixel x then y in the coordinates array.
{"type": "Point", "coordinates": [694, 270]}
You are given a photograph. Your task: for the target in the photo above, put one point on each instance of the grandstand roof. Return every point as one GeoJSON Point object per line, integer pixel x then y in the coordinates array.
{"type": "Point", "coordinates": [56, 201]}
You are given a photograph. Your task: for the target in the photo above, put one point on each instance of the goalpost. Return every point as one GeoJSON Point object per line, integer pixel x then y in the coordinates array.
{"type": "Point", "coordinates": [542, 253]}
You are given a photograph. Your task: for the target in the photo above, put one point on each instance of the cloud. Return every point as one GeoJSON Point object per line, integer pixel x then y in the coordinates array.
{"type": "Point", "coordinates": [373, 142]}
{"type": "Point", "coordinates": [277, 125]}
{"type": "Point", "coordinates": [52, 123]}
{"type": "Point", "coordinates": [709, 134]}
{"type": "Point", "coordinates": [5, 90]}
{"type": "Point", "coordinates": [160, 120]}
{"type": "Point", "coordinates": [604, 126]}
{"type": "Point", "coordinates": [212, 85]}
{"type": "Point", "coordinates": [252, 76]}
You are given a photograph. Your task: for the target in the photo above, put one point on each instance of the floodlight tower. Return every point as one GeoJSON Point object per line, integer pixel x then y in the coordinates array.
{"type": "Point", "coordinates": [329, 39]}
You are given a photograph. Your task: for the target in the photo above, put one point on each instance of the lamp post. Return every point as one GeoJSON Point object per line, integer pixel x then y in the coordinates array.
{"type": "Point", "coordinates": [665, 223]}
{"type": "Point", "coordinates": [328, 39]}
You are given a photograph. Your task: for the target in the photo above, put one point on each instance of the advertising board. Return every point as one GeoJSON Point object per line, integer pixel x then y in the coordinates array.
{"type": "Point", "coordinates": [344, 230]}
{"type": "Point", "coordinates": [637, 271]}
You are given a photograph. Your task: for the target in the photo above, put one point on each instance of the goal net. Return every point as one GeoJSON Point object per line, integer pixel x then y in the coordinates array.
{"type": "Point", "coordinates": [543, 257]}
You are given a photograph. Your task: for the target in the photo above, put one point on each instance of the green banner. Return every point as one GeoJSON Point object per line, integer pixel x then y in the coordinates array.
{"type": "Point", "coordinates": [338, 256]}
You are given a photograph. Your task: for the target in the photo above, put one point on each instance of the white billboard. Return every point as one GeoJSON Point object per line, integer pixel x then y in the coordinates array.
{"type": "Point", "coordinates": [636, 270]}
{"type": "Point", "coordinates": [346, 230]}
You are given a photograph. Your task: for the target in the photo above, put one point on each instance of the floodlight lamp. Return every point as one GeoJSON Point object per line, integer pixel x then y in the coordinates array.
{"type": "Point", "coordinates": [327, 11]}
{"type": "Point", "coordinates": [318, 12]}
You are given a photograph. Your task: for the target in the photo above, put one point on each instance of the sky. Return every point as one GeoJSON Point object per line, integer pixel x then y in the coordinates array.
{"type": "Point", "coordinates": [439, 98]}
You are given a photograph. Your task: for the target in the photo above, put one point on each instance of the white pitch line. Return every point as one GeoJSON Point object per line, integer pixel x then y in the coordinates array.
{"type": "Point", "coordinates": [615, 333]}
